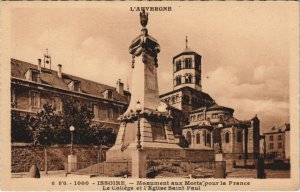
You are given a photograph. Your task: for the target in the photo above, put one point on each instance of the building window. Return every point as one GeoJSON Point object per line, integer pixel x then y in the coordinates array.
{"type": "Point", "coordinates": [189, 137]}
{"type": "Point", "coordinates": [227, 137]}
{"type": "Point", "coordinates": [178, 80]}
{"type": "Point", "coordinates": [13, 97]}
{"type": "Point", "coordinates": [201, 117]}
{"type": "Point", "coordinates": [279, 145]}
{"type": "Point", "coordinates": [74, 85]}
{"type": "Point", "coordinates": [279, 137]}
{"type": "Point", "coordinates": [110, 113]}
{"type": "Point", "coordinates": [96, 112]}
{"type": "Point", "coordinates": [188, 63]}
{"type": "Point", "coordinates": [57, 103]}
{"type": "Point", "coordinates": [186, 99]}
{"type": "Point", "coordinates": [109, 94]}
{"type": "Point", "coordinates": [34, 99]}
{"type": "Point", "coordinates": [188, 78]}
{"type": "Point", "coordinates": [239, 136]}
{"type": "Point", "coordinates": [198, 138]}
{"type": "Point", "coordinates": [271, 145]}
{"type": "Point", "coordinates": [120, 110]}
{"type": "Point", "coordinates": [34, 76]}
{"type": "Point", "coordinates": [215, 116]}
{"type": "Point", "coordinates": [208, 139]}
{"type": "Point", "coordinates": [77, 86]}
{"type": "Point", "coordinates": [271, 137]}
{"type": "Point", "coordinates": [178, 65]}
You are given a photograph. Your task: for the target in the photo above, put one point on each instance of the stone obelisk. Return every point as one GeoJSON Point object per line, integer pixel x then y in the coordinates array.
{"type": "Point", "coordinates": [146, 129]}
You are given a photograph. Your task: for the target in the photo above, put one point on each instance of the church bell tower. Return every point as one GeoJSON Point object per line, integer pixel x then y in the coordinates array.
{"type": "Point", "coordinates": [187, 69]}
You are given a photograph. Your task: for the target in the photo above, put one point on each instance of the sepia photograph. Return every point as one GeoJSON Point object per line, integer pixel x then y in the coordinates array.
{"type": "Point", "coordinates": [137, 96]}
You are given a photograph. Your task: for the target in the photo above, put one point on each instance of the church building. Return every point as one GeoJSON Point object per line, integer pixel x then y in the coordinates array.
{"type": "Point", "coordinates": [203, 123]}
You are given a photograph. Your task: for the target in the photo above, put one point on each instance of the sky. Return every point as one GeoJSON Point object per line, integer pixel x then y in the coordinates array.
{"type": "Point", "coordinates": [244, 48]}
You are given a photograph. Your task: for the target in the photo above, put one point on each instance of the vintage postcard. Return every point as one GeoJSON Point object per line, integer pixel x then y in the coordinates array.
{"type": "Point", "coordinates": [136, 96]}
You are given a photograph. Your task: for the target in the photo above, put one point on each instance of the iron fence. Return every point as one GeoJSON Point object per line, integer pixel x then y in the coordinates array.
{"type": "Point", "coordinates": [109, 168]}
{"type": "Point", "coordinates": [170, 168]}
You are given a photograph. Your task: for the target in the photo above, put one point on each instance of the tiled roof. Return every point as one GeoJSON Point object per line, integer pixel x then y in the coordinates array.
{"type": "Point", "coordinates": [198, 124]}
{"type": "Point", "coordinates": [215, 106]}
{"type": "Point", "coordinates": [187, 88]}
{"type": "Point", "coordinates": [50, 77]}
{"type": "Point", "coordinates": [232, 121]}
{"type": "Point", "coordinates": [283, 128]}
{"type": "Point", "coordinates": [186, 51]}
{"type": "Point", "coordinates": [192, 124]}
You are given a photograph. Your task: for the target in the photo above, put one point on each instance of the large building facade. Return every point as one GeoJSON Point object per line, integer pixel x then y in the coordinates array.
{"type": "Point", "coordinates": [32, 86]}
{"type": "Point", "coordinates": [276, 143]}
{"type": "Point", "coordinates": [204, 123]}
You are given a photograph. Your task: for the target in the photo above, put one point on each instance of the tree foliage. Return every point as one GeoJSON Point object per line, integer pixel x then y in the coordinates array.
{"type": "Point", "coordinates": [51, 127]}
{"type": "Point", "coordinates": [79, 116]}
{"type": "Point", "coordinates": [20, 131]}
{"type": "Point", "coordinates": [46, 126]}
{"type": "Point", "coordinates": [183, 142]}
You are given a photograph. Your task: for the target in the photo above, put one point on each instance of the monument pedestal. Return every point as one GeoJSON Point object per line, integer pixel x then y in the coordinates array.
{"type": "Point", "coordinates": [139, 165]}
{"type": "Point", "coordinates": [155, 131]}
{"type": "Point", "coordinates": [72, 163]}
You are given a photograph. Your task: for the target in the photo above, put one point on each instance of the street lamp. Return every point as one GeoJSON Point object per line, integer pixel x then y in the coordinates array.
{"type": "Point", "coordinates": [138, 108]}
{"type": "Point", "coordinates": [72, 129]}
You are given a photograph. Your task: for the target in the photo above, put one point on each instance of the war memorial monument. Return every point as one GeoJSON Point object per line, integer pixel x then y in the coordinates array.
{"type": "Point", "coordinates": [145, 132]}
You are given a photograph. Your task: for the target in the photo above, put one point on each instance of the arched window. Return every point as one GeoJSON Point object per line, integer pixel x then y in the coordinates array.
{"type": "Point", "coordinates": [178, 80]}
{"type": "Point", "coordinates": [227, 137]}
{"type": "Point", "coordinates": [239, 136]}
{"type": "Point", "coordinates": [199, 117]}
{"type": "Point", "coordinates": [189, 137]}
{"type": "Point", "coordinates": [193, 118]}
{"type": "Point", "coordinates": [208, 139]}
{"type": "Point", "coordinates": [198, 138]}
{"type": "Point", "coordinates": [204, 137]}
{"type": "Point", "coordinates": [188, 78]}
{"type": "Point", "coordinates": [215, 115]}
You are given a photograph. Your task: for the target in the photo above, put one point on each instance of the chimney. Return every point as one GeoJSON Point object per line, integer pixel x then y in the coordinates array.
{"type": "Point", "coordinates": [120, 87]}
{"type": "Point", "coordinates": [59, 73]}
{"type": "Point", "coordinates": [40, 65]}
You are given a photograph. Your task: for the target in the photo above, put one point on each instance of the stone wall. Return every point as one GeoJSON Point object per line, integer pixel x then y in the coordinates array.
{"type": "Point", "coordinates": [24, 156]}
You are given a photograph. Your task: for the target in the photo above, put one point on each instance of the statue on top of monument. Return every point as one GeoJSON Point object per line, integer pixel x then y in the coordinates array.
{"type": "Point", "coordinates": [143, 18]}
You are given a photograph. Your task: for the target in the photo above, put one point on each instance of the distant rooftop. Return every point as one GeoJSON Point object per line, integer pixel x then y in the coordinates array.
{"type": "Point", "coordinates": [283, 128]}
